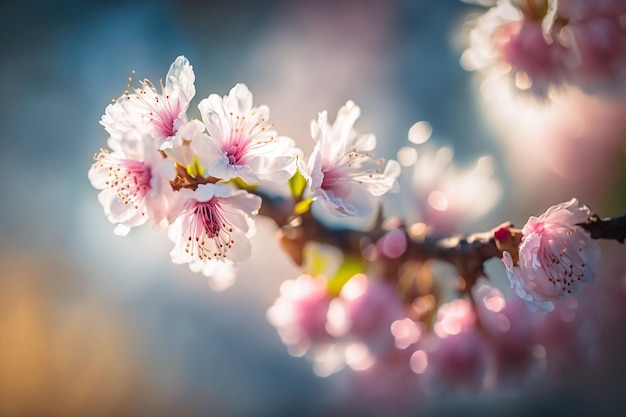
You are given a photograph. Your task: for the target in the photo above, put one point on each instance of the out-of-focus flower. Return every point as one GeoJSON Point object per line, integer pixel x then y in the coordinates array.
{"type": "Point", "coordinates": [299, 314]}
{"type": "Point", "coordinates": [518, 352]}
{"type": "Point", "coordinates": [388, 385]}
{"type": "Point", "coordinates": [393, 244]}
{"type": "Point", "coordinates": [214, 224]}
{"type": "Point", "coordinates": [596, 31]}
{"type": "Point", "coordinates": [341, 174]}
{"type": "Point", "coordinates": [454, 317]}
{"type": "Point", "coordinates": [135, 184]}
{"type": "Point", "coordinates": [543, 44]}
{"type": "Point", "coordinates": [365, 310]}
{"type": "Point", "coordinates": [352, 328]}
{"type": "Point", "coordinates": [443, 195]}
{"type": "Point", "coordinates": [406, 332]}
{"type": "Point", "coordinates": [241, 142]}
{"type": "Point", "coordinates": [456, 354]}
{"type": "Point", "coordinates": [146, 110]}
{"type": "Point", "coordinates": [555, 256]}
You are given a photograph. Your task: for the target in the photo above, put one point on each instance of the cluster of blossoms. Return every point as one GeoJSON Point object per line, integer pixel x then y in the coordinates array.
{"type": "Point", "coordinates": [197, 177]}
{"type": "Point", "coordinates": [547, 44]}
{"type": "Point", "coordinates": [366, 322]}
{"type": "Point", "coordinates": [375, 306]}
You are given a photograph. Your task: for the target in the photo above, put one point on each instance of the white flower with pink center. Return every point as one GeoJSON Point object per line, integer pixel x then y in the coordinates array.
{"type": "Point", "coordinates": [342, 175]}
{"type": "Point", "coordinates": [242, 143]}
{"type": "Point", "coordinates": [555, 256]}
{"type": "Point", "coordinates": [179, 147]}
{"type": "Point", "coordinates": [214, 224]}
{"type": "Point", "coordinates": [135, 184]}
{"type": "Point", "coordinates": [146, 110]}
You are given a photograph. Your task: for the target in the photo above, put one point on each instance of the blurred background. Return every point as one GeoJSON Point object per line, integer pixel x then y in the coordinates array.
{"type": "Point", "coordinates": [93, 324]}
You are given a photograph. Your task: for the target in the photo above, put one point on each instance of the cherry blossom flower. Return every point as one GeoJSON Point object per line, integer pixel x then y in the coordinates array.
{"type": "Point", "coordinates": [443, 194]}
{"type": "Point", "coordinates": [179, 148]}
{"type": "Point", "coordinates": [555, 256]}
{"type": "Point", "coordinates": [595, 31]}
{"type": "Point", "coordinates": [341, 174]}
{"type": "Point", "coordinates": [300, 313]}
{"type": "Point", "coordinates": [214, 224]}
{"type": "Point", "coordinates": [456, 354]}
{"type": "Point", "coordinates": [365, 309]}
{"type": "Point", "coordinates": [135, 184]}
{"type": "Point", "coordinates": [241, 142]}
{"type": "Point", "coordinates": [388, 385]}
{"type": "Point", "coordinates": [350, 329]}
{"type": "Point", "coordinates": [542, 44]}
{"type": "Point", "coordinates": [146, 110]}
{"type": "Point", "coordinates": [518, 351]}
{"type": "Point", "coordinates": [458, 361]}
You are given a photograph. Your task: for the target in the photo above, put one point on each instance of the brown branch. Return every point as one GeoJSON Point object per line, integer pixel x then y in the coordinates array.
{"type": "Point", "coordinates": [612, 228]}
{"type": "Point", "coordinates": [466, 253]}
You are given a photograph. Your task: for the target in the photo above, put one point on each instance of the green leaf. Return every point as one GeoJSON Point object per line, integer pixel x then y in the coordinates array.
{"type": "Point", "coordinates": [241, 184]}
{"type": "Point", "coordinates": [332, 263]}
{"type": "Point", "coordinates": [321, 259]}
{"type": "Point", "coordinates": [296, 184]}
{"type": "Point", "coordinates": [196, 169]}
{"type": "Point", "coordinates": [351, 266]}
{"type": "Point", "coordinates": [302, 207]}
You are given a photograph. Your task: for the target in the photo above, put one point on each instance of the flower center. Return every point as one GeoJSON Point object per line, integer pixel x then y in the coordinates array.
{"type": "Point", "coordinates": [165, 117]}
{"type": "Point", "coordinates": [566, 268]}
{"type": "Point", "coordinates": [332, 179]}
{"type": "Point", "coordinates": [236, 152]}
{"type": "Point", "coordinates": [209, 233]}
{"type": "Point", "coordinates": [131, 180]}
{"type": "Point", "coordinates": [161, 109]}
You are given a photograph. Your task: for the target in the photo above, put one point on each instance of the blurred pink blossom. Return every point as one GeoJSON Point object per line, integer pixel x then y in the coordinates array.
{"type": "Point", "coordinates": [299, 314]}
{"type": "Point", "coordinates": [542, 44]}
{"type": "Point", "coordinates": [456, 354]}
{"type": "Point", "coordinates": [368, 308]}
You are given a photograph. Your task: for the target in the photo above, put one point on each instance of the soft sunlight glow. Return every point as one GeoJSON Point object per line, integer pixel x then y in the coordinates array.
{"type": "Point", "coordinates": [438, 200]}
{"type": "Point", "coordinates": [419, 362]}
{"type": "Point", "coordinates": [407, 156]}
{"type": "Point", "coordinates": [406, 332]}
{"type": "Point", "coordinates": [338, 322]}
{"type": "Point", "coordinates": [359, 357]}
{"type": "Point", "coordinates": [420, 132]}
{"type": "Point", "coordinates": [355, 288]}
